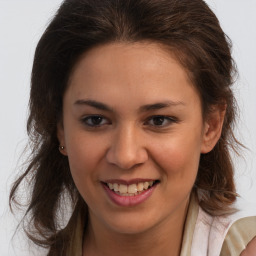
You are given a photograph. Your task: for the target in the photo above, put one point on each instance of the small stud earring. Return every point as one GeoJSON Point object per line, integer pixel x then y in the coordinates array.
{"type": "Point", "coordinates": [61, 148]}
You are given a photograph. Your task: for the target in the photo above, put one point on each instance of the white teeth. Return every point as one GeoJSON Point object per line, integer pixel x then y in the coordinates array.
{"type": "Point", "coordinates": [116, 187]}
{"type": "Point", "coordinates": [140, 186]}
{"type": "Point", "coordinates": [146, 184]}
{"type": "Point", "coordinates": [110, 185]}
{"type": "Point", "coordinates": [123, 188]}
{"type": "Point", "coordinates": [130, 190]}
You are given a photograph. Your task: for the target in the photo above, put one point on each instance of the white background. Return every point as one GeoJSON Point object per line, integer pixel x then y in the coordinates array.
{"type": "Point", "coordinates": [21, 24]}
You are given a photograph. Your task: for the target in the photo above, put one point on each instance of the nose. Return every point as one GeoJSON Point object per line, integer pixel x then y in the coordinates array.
{"type": "Point", "coordinates": [127, 149]}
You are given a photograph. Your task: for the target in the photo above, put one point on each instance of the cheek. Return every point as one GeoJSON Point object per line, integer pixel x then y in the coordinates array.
{"type": "Point", "coordinates": [178, 163]}
{"type": "Point", "coordinates": [85, 155]}
{"type": "Point", "coordinates": [84, 160]}
{"type": "Point", "coordinates": [179, 157]}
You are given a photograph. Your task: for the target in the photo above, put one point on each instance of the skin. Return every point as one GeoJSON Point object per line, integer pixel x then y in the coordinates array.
{"type": "Point", "coordinates": [250, 249]}
{"type": "Point", "coordinates": [129, 142]}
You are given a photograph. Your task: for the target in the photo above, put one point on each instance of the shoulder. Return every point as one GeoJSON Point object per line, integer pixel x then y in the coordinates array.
{"type": "Point", "coordinates": [241, 231]}
{"type": "Point", "coordinates": [225, 235]}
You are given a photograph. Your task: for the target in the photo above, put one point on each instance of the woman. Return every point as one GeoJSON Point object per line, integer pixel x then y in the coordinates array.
{"type": "Point", "coordinates": [131, 117]}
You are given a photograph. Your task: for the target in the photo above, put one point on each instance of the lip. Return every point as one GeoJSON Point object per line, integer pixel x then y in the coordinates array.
{"type": "Point", "coordinates": [128, 201]}
{"type": "Point", "coordinates": [127, 182]}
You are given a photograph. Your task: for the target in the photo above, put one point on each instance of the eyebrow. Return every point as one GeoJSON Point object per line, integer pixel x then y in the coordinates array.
{"type": "Point", "coordinates": [95, 104]}
{"type": "Point", "coordinates": [160, 105]}
{"type": "Point", "coordinates": [144, 108]}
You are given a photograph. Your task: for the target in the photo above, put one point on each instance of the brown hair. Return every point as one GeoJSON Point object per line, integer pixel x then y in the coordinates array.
{"type": "Point", "coordinates": [192, 32]}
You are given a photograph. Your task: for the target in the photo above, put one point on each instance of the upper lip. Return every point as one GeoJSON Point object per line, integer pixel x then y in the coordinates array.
{"type": "Point", "coordinates": [127, 182]}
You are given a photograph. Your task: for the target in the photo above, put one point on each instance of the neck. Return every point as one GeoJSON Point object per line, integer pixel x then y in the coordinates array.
{"type": "Point", "coordinates": [162, 239]}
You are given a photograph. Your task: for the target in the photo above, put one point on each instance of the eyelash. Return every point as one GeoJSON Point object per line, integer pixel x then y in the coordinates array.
{"type": "Point", "coordinates": [87, 121]}
{"type": "Point", "coordinates": [87, 118]}
{"type": "Point", "coordinates": [170, 120]}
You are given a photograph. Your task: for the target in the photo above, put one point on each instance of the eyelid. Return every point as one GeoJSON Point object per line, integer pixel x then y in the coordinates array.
{"type": "Point", "coordinates": [171, 120]}
{"type": "Point", "coordinates": [85, 118]}
{"type": "Point", "coordinates": [106, 121]}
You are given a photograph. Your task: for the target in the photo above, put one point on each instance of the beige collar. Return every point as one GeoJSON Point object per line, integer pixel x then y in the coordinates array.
{"type": "Point", "coordinates": [189, 226]}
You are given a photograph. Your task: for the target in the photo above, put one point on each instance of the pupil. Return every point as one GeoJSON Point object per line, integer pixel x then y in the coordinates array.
{"type": "Point", "coordinates": [96, 120]}
{"type": "Point", "coordinates": [158, 120]}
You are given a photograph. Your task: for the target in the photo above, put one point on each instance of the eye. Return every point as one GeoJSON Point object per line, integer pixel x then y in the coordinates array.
{"type": "Point", "coordinates": [161, 121]}
{"type": "Point", "coordinates": [95, 121]}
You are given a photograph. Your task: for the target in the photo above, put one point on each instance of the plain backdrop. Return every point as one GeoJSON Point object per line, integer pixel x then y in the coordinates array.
{"type": "Point", "coordinates": [21, 25]}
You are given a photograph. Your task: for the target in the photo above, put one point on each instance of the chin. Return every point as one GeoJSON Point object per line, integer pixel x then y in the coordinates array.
{"type": "Point", "coordinates": [132, 223]}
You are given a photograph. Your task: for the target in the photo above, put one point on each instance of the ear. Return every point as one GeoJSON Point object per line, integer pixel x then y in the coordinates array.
{"type": "Point", "coordinates": [213, 127]}
{"type": "Point", "coordinates": [61, 138]}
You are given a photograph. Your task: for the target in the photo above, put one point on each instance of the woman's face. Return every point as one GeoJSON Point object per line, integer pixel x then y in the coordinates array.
{"type": "Point", "coordinates": [131, 117]}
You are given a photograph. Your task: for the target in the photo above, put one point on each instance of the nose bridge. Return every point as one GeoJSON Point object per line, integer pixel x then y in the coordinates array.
{"type": "Point", "coordinates": [127, 148]}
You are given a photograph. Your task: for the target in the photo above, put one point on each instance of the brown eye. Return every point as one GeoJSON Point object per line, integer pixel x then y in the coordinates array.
{"type": "Point", "coordinates": [158, 120]}
{"type": "Point", "coordinates": [161, 121]}
{"type": "Point", "coordinates": [95, 120]}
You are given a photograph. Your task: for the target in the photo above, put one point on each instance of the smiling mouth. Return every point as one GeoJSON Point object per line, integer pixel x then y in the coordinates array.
{"type": "Point", "coordinates": [132, 189]}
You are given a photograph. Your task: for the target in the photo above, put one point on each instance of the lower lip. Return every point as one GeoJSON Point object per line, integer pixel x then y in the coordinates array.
{"type": "Point", "coordinates": [129, 200]}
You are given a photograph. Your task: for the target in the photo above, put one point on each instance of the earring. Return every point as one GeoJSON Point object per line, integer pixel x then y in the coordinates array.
{"type": "Point", "coordinates": [61, 147]}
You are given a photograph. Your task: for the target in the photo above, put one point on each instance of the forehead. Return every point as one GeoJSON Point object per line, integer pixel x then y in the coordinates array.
{"type": "Point", "coordinates": [144, 71]}
{"type": "Point", "coordinates": [147, 54]}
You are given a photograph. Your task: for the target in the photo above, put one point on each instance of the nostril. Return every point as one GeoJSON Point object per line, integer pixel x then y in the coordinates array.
{"type": "Point", "coordinates": [125, 161]}
{"type": "Point", "coordinates": [126, 150]}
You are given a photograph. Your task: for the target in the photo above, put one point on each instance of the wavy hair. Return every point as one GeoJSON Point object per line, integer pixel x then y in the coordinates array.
{"type": "Point", "coordinates": [192, 33]}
